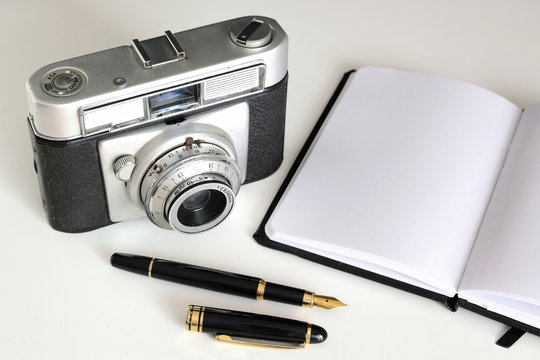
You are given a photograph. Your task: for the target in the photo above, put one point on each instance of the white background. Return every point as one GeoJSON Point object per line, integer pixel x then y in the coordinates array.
{"type": "Point", "coordinates": [61, 299]}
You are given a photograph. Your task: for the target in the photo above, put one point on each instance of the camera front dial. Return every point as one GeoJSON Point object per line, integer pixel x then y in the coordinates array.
{"type": "Point", "coordinates": [191, 188]}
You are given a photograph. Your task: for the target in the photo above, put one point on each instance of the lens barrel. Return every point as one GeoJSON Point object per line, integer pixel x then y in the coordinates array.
{"type": "Point", "coordinates": [191, 188]}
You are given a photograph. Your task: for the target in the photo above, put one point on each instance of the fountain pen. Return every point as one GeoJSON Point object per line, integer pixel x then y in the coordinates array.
{"type": "Point", "coordinates": [221, 281]}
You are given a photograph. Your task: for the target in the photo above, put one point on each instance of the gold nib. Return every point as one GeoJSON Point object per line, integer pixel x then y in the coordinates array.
{"type": "Point", "coordinates": [326, 302]}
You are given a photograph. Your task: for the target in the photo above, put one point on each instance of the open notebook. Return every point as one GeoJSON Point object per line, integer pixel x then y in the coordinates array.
{"type": "Point", "coordinates": [429, 183]}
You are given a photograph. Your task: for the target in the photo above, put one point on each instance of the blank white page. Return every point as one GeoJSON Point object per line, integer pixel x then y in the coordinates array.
{"type": "Point", "coordinates": [399, 175]}
{"type": "Point", "coordinates": [505, 260]}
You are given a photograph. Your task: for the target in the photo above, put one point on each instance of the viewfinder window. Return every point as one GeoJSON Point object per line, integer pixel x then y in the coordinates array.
{"type": "Point", "coordinates": [175, 100]}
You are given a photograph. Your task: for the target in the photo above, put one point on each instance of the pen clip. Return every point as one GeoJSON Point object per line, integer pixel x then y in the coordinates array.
{"type": "Point", "coordinates": [264, 344]}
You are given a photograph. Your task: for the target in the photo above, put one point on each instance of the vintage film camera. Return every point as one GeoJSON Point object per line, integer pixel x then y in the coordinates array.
{"type": "Point", "coordinates": [169, 127]}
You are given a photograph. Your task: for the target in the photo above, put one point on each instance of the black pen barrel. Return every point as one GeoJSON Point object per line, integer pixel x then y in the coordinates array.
{"type": "Point", "coordinates": [134, 263]}
{"type": "Point", "coordinates": [205, 278]}
{"type": "Point", "coordinates": [284, 294]}
{"type": "Point", "coordinates": [250, 325]}
{"type": "Point", "coordinates": [187, 274]}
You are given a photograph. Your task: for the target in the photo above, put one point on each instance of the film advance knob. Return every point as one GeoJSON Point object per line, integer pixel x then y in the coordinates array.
{"type": "Point", "coordinates": [123, 167]}
{"type": "Point", "coordinates": [251, 34]}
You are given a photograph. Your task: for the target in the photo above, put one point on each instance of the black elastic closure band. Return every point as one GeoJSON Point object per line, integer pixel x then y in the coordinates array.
{"type": "Point", "coordinates": [510, 337]}
{"type": "Point", "coordinates": [452, 303]}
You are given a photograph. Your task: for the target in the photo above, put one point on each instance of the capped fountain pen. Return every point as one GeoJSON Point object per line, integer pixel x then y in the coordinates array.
{"type": "Point", "coordinates": [222, 281]}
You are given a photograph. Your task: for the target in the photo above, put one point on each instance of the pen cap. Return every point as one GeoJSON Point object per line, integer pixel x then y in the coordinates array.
{"type": "Point", "coordinates": [134, 263]}
{"type": "Point", "coordinates": [250, 325]}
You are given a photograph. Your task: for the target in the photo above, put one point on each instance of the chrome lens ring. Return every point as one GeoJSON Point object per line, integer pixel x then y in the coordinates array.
{"type": "Point", "coordinates": [181, 170]}
{"type": "Point", "coordinates": [171, 159]}
{"type": "Point", "coordinates": [211, 208]}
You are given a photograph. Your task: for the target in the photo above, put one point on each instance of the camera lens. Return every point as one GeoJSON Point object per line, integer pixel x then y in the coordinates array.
{"type": "Point", "coordinates": [201, 208]}
{"type": "Point", "coordinates": [195, 188]}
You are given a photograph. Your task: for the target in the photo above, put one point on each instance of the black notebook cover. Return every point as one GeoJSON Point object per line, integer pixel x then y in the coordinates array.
{"type": "Point", "coordinates": [452, 303]}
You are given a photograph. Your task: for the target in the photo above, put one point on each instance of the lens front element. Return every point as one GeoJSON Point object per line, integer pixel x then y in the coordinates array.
{"type": "Point", "coordinates": [191, 188]}
{"type": "Point", "coordinates": [204, 205]}
{"type": "Point", "coordinates": [196, 202]}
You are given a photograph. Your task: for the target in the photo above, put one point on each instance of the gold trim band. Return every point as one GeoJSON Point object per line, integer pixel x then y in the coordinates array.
{"type": "Point", "coordinates": [260, 289]}
{"type": "Point", "coordinates": [150, 267]}
{"type": "Point", "coordinates": [194, 318]}
{"type": "Point", "coordinates": [201, 318]}
{"type": "Point", "coordinates": [307, 301]}
{"type": "Point", "coordinates": [189, 314]}
{"type": "Point", "coordinates": [308, 334]}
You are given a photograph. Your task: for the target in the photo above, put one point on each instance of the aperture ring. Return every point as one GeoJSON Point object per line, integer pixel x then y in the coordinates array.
{"type": "Point", "coordinates": [174, 158]}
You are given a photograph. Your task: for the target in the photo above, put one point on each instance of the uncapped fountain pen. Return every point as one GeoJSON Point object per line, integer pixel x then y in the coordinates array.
{"type": "Point", "coordinates": [222, 281]}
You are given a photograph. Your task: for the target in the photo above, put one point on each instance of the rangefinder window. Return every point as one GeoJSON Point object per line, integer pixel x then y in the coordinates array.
{"type": "Point", "coordinates": [175, 100]}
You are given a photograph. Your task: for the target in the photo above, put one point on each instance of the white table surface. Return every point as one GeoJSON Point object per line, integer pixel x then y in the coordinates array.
{"type": "Point", "coordinates": [61, 299]}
